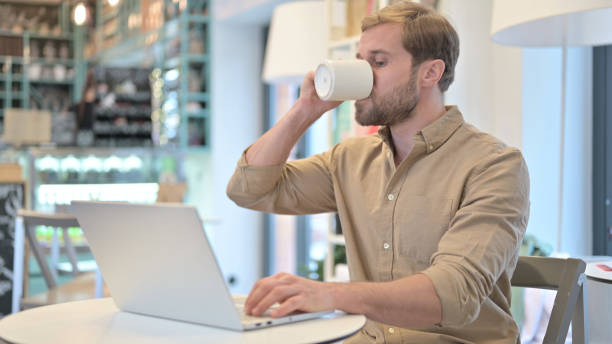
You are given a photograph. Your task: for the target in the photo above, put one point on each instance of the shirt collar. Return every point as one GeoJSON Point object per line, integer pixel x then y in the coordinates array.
{"type": "Point", "coordinates": [435, 134]}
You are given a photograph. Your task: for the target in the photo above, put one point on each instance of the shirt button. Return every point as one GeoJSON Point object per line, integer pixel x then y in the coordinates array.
{"type": "Point", "coordinates": [386, 246]}
{"type": "Point", "coordinates": [430, 147]}
{"type": "Point", "coordinates": [391, 330]}
{"type": "Point", "coordinates": [390, 197]}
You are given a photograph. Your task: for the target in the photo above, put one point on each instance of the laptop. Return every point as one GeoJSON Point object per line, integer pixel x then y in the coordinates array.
{"type": "Point", "coordinates": [156, 260]}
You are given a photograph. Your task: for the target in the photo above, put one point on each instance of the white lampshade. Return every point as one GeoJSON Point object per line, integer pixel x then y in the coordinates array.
{"type": "Point", "coordinates": [540, 22]}
{"type": "Point", "coordinates": [296, 41]}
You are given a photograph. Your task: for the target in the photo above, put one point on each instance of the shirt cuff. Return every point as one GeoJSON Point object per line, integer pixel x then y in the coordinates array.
{"type": "Point", "coordinates": [457, 306]}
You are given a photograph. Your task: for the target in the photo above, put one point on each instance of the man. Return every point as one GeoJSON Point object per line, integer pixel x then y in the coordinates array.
{"type": "Point", "coordinates": [433, 211]}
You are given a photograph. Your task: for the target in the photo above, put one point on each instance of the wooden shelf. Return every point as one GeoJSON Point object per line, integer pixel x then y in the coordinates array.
{"type": "Point", "coordinates": [36, 35]}
{"type": "Point", "coordinates": [51, 82]}
{"type": "Point", "coordinates": [197, 97]}
{"type": "Point", "coordinates": [16, 95]}
{"type": "Point", "coordinates": [172, 42]}
{"type": "Point", "coordinates": [14, 77]}
{"type": "Point", "coordinates": [344, 48]}
{"type": "Point", "coordinates": [176, 61]}
{"type": "Point", "coordinates": [197, 58]}
{"type": "Point", "coordinates": [34, 2]}
{"type": "Point", "coordinates": [344, 43]}
{"type": "Point", "coordinates": [198, 114]}
{"type": "Point", "coordinates": [200, 19]}
{"type": "Point", "coordinates": [336, 239]}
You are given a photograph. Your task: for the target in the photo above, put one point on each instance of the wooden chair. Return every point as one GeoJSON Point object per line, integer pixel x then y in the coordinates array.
{"type": "Point", "coordinates": [567, 277]}
{"type": "Point", "coordinates": [83, 286]}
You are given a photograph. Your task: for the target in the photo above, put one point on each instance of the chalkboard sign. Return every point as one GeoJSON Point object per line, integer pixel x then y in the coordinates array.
{"type": "Point", "coordinates": [12, 198]}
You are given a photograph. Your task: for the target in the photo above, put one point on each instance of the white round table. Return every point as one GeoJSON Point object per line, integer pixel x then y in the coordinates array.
{"type": "Point", "coordinates": [100, 321]}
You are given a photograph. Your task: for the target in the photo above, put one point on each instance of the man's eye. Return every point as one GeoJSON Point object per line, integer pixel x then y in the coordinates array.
{"type": "Point", "coordinates": [380, 63]}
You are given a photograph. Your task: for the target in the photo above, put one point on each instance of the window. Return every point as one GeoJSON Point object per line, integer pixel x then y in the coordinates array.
{"type": "Point", "coordinates": [602, 150]}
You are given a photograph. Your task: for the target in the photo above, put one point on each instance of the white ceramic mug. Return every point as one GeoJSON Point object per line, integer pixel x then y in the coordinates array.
{"type": "Point", "coordinates": [344, 80]}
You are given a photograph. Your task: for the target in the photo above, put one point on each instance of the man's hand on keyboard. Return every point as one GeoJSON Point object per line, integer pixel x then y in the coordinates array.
{"type": "Point", "coordinates": [293, 293]}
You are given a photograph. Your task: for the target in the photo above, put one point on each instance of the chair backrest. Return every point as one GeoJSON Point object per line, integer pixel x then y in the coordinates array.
{"type": "Point", "coordinates": [567, 277]}
{"type": "Point", "coordinates": [31, 219]}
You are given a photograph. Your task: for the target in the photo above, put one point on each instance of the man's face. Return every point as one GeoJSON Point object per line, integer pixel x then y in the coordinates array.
{"type": "Point", "coordinates": [394, 94]}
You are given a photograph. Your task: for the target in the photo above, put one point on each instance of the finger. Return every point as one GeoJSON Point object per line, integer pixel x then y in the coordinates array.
{"type": "Point", "coordinates": [261, 289]}
{"type": "Point", "coordinates": [307, 89]}
{"type": "Point", "coordinates": [277, 294]}
{"type": "Point", "coordinates": [290, 305]}
{"type": "Point", "coordinates": [308, 83]}
{"type": "Point", "coordinates": [309, 79]}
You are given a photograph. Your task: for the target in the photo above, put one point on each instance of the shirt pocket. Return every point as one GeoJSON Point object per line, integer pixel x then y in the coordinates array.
{"type": "Point", "coordinates": [420, 222]}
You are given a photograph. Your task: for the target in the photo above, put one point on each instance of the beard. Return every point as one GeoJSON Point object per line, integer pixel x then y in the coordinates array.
{"type": "Point", "coordinates": [392, 108]}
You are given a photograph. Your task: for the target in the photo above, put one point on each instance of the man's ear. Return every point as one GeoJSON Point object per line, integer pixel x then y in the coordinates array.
{"type": "Point", "coordinates": [432, 72]}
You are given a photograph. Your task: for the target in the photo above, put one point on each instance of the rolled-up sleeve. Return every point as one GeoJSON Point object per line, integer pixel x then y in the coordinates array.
{"type": "Point", "coordinates": [301, 186]}
{"type": "Point", "coordinates": [483, 238]}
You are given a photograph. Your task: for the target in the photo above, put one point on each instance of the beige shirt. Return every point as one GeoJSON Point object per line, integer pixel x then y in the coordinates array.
{"type": "Point", "coordinates": [455, 210]}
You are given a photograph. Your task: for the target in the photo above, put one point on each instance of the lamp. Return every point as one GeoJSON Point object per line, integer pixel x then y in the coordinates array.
{"type": "Point", "coordinates": [79, 14]}
{"type": "Point", "coordinates": [551, 22]}
{"type": "Point", "coordinates": [296, 41]}
{"type": "Point", "coordinates": [542, 23]}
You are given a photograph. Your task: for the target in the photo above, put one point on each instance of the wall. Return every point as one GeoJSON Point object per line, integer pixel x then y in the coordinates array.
{"type": "Point", "coordinates": [237, 106]}
{"type": "Point", "coordinates": [237, 102]}
{"type": "Point", "coordinates": [487, 76]}
{"type": "Point", "coordinates": [246, 11]}
{"type": "Point", "coordinates": [541, 112]}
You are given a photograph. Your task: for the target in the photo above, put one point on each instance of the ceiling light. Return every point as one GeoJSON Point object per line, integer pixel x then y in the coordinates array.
{"type": "Point", "coordinates": [79, 14]}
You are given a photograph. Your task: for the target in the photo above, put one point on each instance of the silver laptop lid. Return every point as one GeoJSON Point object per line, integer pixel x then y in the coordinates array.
{"type": "Point", "coordinates": [156, 260]}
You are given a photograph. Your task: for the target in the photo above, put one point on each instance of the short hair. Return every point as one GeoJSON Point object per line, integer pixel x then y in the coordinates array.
{"type": "Point", "coordinates": [426, 35]}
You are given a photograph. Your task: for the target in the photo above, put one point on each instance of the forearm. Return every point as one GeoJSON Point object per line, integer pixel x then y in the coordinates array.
{"type": "Point", "coordinates": [274, 146]}
{"type": "Point", "coordinates": [410, 302]}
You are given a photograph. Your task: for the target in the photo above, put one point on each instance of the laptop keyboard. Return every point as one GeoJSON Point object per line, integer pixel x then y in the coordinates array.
{"type": "Point", "coordinates": [249, 318]}
{"type": "Point", "coordinates": [265, 319]}
{"type": "Point", "coordinates": [245, 317]}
